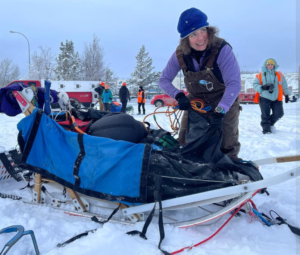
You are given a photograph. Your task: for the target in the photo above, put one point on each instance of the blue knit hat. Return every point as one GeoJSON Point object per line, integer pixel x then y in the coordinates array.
{"type": "Point", "coordinates": [191, 20]}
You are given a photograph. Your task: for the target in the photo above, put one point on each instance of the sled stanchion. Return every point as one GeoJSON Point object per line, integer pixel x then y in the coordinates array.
{"type": "Point", "coordinates": [76, 199]}
{"type": "Point", "coordinates": [37, 188]}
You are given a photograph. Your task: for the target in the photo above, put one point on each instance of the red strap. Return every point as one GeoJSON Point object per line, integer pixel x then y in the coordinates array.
{"type": "Point", "coordinates": [207, 239]}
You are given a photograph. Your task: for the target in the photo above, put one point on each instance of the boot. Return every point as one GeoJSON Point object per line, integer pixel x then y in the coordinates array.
{"type": "Point", "coordinates": [267, 131]}
{"type": "Point", "coordinates": [144, 112]}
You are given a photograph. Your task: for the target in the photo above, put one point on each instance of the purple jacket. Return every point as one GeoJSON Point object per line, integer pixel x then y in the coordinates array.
{"type": "Point", "coordinates": [229, 69]}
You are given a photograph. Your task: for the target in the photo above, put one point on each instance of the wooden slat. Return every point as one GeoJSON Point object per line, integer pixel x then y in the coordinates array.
{"type": "Point", "coordinates": [288, 159]}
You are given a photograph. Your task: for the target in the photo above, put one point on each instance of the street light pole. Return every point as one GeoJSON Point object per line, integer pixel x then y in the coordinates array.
{"type": "Point", "coordinates": [28, 47]}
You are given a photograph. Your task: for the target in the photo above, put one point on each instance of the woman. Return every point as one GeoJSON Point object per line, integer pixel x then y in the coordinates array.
{"type": "Point", "coordinates": [107, 98]}
{"type": "Point", "coordinates": [270, 86]}
{"type": "Point", "coordinates": [211, 73]}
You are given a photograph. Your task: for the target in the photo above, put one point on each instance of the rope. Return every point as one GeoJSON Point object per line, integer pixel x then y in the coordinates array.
{"type": "Point", "coordinates": [196, 104]}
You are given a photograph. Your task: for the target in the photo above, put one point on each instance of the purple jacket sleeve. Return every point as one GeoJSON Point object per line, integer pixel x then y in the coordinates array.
{"type": "Point", "coordinates": [231, 76]}
{"type": "Point", "coordinates": [168, 75]}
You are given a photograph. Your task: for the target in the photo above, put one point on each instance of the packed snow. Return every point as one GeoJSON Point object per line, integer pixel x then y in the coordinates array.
{"type": "Point", "coordinates": [240, 236]}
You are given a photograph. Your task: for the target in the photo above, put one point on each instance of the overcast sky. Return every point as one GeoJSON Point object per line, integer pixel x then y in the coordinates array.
{"type": "Point", "coordinates": [256, 29]}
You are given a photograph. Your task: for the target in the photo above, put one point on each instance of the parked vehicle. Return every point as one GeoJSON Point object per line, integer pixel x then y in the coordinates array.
{"type": "Point", "coordinates": [246, 97]}
{"type": "Point", "coordinates": [79, 92]}
{"type": "Point", "coordinates": [164, 100]}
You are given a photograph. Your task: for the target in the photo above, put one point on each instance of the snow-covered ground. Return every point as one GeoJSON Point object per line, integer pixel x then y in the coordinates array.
{"type": "Point", "coordinates": [238, 237]}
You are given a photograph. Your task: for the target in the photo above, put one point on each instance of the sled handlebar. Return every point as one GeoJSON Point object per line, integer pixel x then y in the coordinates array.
{"type": "Point", "coordinates": [47, 108]}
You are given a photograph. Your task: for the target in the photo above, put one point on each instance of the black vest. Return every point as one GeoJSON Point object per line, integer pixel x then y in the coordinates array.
{"type": "Point", "coordinates": [216, 71]}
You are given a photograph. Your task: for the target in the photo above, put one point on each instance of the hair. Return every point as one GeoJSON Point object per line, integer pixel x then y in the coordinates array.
{"type": "Point", "coordinates": [184, 43]}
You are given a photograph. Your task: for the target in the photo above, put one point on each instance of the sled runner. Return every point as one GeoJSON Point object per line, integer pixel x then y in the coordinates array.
{"type": "Point", "coordinates": [101, 174]}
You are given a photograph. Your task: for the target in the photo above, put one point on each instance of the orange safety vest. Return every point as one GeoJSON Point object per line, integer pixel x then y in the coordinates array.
{"type": "Point", "coordinates": [280, 94]}
{"type": "Point", "coordinates": [140, 97]}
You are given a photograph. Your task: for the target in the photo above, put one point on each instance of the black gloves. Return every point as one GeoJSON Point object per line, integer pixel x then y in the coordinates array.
{"type": "Point", "coordinates": [216, 120]}
{"type": "Point", "coordinates": [183, 102]}
{"type": "Point", "coordinates": [265, 87]}
{"type": "Point", "coordinates": [287, 99]}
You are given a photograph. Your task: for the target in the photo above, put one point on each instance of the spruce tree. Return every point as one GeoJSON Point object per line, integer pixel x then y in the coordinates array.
{"type": "Point", "coordinates": [68, 63]}
{"type": "Point", "coordinates": [143, 74]}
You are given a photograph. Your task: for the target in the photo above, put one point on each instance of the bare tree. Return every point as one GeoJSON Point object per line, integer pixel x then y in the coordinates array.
{"type": "Point", "coordinates": [111, 79]}
{"type": "Point", "coordinates": [43, 63]}
{"type": "Point", "coordinates": [93, 68]}
{"type": "Point", "coordinates": [8, 72]}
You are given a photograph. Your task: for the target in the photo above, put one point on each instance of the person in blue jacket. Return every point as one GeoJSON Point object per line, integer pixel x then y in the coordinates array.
{"type": "Point", "coordinates": [271, 86]}
{"type": "Point", "coordinates": [107, 98]}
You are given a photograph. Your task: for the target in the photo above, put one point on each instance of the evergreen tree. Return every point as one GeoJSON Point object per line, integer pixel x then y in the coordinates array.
{"type": "Point", "coordinates": [143, 74]}
{"type": "Point", "coordinates": [68, 63]}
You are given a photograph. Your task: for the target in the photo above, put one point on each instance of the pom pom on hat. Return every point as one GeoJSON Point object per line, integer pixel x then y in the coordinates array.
{"type": "Point", "coordinates": [191, 20]}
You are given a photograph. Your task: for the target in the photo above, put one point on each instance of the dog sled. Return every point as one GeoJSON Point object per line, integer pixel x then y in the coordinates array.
{"type": "Point", "coordinates": [93, 176]}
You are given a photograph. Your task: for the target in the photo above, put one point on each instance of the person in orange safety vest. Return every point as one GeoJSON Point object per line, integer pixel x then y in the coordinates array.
{"type": "Point", "coordinates": [141, 100]}
{"type": "Point", "coordinates": [270, 86]}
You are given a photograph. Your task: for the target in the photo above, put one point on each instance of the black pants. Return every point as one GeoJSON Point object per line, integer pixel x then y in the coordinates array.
{"type": "Point", "coordinates": [268, 119]}
{"type": "Point", "coordinates": [107, 107]}
{"type": "Point", "coordinates": [139, 107]}
{"type": "Point", "coordinates": [124, 104]}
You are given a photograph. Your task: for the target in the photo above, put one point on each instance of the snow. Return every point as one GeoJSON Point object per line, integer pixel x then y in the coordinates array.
{"type": "Point", "coordinates": [51, 226]}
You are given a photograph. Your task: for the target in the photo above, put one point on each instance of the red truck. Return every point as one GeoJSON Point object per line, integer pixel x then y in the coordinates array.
{"type": "Point", "coordinates": [79, 92]}
{"type": "Point", "coordinates": [165, 100]}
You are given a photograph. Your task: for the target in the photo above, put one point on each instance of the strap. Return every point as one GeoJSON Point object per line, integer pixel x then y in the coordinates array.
{"type": "Point", "coordinates": [258, 76]}
{"type": "Point", "coordinates": [32, 135]}
{"type": "Point", "coordinates": [95, 219]}
{"type": "Point", "coordinates": [78, 160]}
{"type": "Point", "coordinates": [212, 57]}
{"type": "Point", "coordinates": [157, 198]}
{"type": "Point", "coordinates": [179, 55]}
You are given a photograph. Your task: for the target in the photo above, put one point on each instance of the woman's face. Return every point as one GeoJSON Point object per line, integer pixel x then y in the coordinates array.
{"type": "Point", "coordinates": [199, 39]}
{"type": "Point", "coordinates": [270, 66]}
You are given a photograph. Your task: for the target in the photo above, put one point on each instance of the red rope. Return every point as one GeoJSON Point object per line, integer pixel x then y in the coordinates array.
{"type": "Point", "coordinates": [207, 239]}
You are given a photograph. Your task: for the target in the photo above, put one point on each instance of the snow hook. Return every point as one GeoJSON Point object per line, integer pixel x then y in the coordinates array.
{"type": "Point", "coordinates": [20, 232]}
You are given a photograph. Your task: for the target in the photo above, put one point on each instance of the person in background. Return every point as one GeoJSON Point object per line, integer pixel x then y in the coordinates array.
{"type": "Point", "coordinates": [99, 90]}
{"type": "Point", "coordinates": [107, 98]}
{"type": "Point", "coordinates": [141, 100]}
{"type": "Point", "coordinates": [211, 73]}
{"type": "Point", "coordinates": [124, 96]}
{"type": "Point", "coordinates": [270, 86]}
